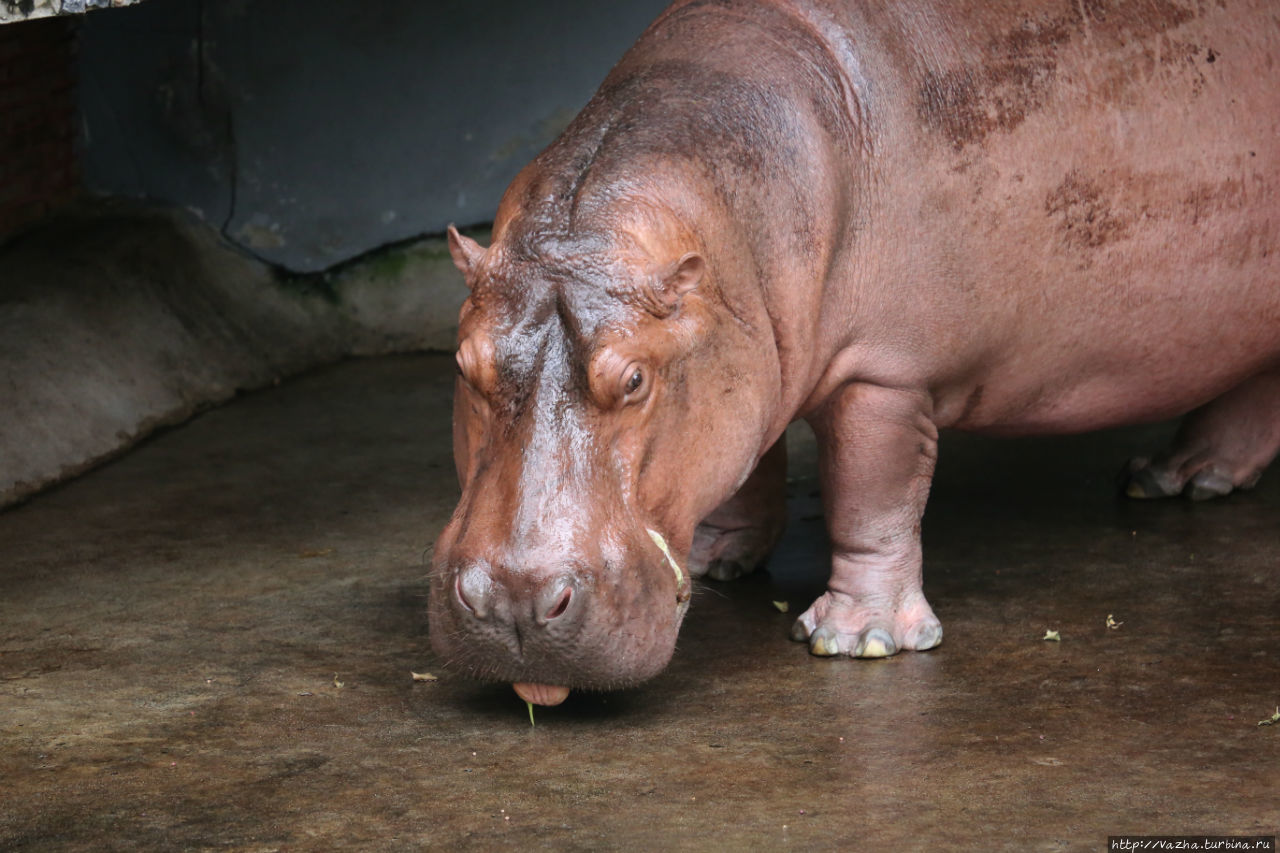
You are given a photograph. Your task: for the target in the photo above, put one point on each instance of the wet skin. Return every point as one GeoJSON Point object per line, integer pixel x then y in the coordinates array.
{"type": "Point", "coordinates": [892, 220]}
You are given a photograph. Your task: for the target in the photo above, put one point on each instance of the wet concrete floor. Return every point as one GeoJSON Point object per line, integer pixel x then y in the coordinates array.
{"type": "Point", "coordinates": [208, 645]}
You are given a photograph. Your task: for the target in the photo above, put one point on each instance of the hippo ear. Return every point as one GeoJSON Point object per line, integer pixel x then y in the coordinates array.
{"type": "Point", "coordinates": [466, 252]}
{"type": "Point", "coordinates": [683, 276]}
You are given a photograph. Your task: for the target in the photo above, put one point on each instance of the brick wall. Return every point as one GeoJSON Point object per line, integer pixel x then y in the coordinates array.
{"type": "Point", "coordinates": [38, 164]}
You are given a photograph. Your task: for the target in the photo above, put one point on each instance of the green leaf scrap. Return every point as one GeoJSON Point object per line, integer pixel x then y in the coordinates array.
{"type": "Point", "coordinates": [1272, 720]}
{"type": "Point", "coordinates": [1052, 636]}
{"type": "Point", "coordinates": [530, 704]}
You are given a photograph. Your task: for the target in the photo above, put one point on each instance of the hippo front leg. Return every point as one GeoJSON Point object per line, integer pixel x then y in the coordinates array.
{"type": "Point", "coordinates": [876, 448]}
{"type": "Point", "coordinates": [738, 536]}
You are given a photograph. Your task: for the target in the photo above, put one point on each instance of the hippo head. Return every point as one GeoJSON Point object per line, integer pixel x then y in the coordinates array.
{"type": "Point", "coordinates": [603, 407]}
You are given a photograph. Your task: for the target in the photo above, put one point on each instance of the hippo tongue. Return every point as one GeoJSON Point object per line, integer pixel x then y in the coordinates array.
{"type": "Point", "coordinates": [541, 694]}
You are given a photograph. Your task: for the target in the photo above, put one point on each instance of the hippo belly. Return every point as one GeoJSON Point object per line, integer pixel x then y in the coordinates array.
{"type": "Point", "coordinates": [887, 219]}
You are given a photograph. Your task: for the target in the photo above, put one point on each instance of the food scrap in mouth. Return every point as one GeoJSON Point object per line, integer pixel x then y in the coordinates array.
{"type": "Point", "coordinates": [682, 593]}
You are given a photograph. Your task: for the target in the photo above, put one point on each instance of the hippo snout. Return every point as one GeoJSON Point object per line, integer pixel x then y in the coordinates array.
{"type": "Point", "coordinates": [554, 619]}
{"type": "Point", "coordinates": [551, 603]}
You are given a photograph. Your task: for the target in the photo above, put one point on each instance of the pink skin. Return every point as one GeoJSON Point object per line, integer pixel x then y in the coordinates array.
{"type": "Point", "coordinates": [1014, 218]}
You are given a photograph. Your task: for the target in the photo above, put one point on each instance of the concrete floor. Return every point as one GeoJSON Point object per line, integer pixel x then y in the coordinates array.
{"type": "Point", "coordinates": [174, 627]}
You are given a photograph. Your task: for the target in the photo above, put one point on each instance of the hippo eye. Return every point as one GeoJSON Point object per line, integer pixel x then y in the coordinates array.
{"type": "Point", "coordinates": [620, 381]}
{"type": "Point", "coordinates": [636, 380]}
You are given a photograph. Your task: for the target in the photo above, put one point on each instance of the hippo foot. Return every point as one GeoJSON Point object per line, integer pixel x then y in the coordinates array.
{"type": "Point", "coordinates": [726, 554]}
{"type": "Point", "coordinates": [1169, 478]}
{"type": "Point", "coordinates": [836, 624]}
{"type": "Point", "coordinates": [1220, 447]}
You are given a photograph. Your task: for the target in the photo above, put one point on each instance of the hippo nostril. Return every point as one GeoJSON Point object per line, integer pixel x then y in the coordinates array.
{"type": "Point", "coordinates": [556, 599]}
{"type": "Point", "coordinates": [561, 606]}
{"type": "Point", "coordinates": [474, 589]}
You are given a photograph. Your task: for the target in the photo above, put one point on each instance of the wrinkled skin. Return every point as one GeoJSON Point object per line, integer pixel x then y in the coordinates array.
{"type": "Point", "coordinates": [888, 219]}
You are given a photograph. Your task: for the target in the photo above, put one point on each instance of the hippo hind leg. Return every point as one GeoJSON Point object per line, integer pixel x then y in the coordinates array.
{"type": "Point", "coordinates": [737, 538]}
{"type": "Point", "coordinates": [1222, 446]}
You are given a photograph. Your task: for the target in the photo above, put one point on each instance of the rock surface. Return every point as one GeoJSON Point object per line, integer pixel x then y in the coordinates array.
{"type": "Point", "coordinates": [116, 321]}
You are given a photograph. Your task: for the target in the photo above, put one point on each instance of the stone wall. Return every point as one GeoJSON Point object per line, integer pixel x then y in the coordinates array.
{"type": "Point", "coordinates": [22, 10]}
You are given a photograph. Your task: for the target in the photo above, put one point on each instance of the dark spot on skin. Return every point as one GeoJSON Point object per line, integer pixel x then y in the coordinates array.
{"type": "Point", "coordinates": [968, 104]}
{"type": "Point", "coordinates": [1016, 76]}
{"type": "Point", "coordinates": [1205, 200]}
{"type": "Point", "coordinates": [1123, 21]}
{"type": "Point", "coordinates": [1212, 57]}
{"type": "Point", "coordinates": [1085, 218]}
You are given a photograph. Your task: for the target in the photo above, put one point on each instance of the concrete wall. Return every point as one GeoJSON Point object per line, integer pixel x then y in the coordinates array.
{"type": "Point", "coordinates": [117, 319]}
{"type": "Point", "coordinates": [307, 133]}
{"type": "Point", "coordinates": [311, 132]}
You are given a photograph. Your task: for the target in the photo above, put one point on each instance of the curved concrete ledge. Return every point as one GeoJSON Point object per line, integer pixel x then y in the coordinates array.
{"type": "Point", "coordinates": [115, 321]}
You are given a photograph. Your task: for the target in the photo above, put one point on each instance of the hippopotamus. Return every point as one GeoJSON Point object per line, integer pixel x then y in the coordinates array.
{"type": "Point", "coordinates": [888, 219]}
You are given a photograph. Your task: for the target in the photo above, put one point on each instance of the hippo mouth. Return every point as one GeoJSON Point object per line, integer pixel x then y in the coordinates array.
{"type": "Point", "coordinates": [603, 656]}
{"type": "Point", "coordinates": [599, 629]}
{"type": "Point", "coordinates": [541, 694]}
